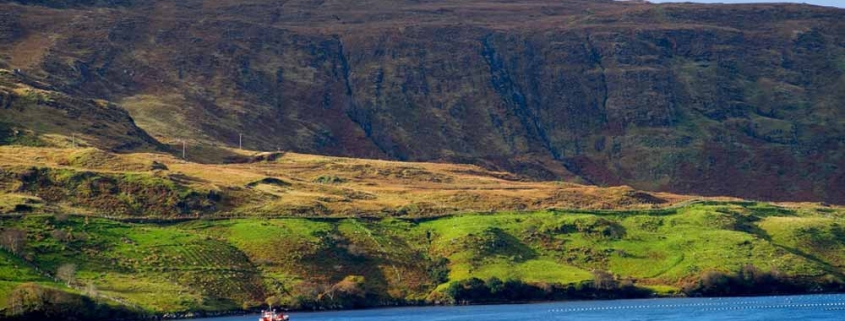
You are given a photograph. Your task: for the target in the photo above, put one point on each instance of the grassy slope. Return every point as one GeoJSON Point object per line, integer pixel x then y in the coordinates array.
{"type": "Point", "coordinates": [220, 265]}
{"type": "Point", "coordinates": [14, 271]}
{"type": "Point", "coordinates": [88, 180]}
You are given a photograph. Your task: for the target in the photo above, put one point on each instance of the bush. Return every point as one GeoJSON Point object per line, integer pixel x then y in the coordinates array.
{"type": "Point", "coordinates": [602, 280]}
{"type": "Point", "coordinates": [474, 290]}
{"type": "Point", "coordinates": [598, 228]}
{"type": "Point", "coordinates": [67, 273]}
{"type": "Point", "coordinates": [749, 280]}
{"type": "Point", "coordinates": [438, 270]}
{"type": "Point", "coordinates": [13, 240]}
{"type": "Point", "coordinates": [329, 179]}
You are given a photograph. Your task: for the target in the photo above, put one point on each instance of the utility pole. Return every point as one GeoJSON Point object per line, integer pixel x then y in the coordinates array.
{"type": "Point", "coordinates": [184, 147]}
{"type": "Point", "coordinates": [73, 139]}
{"type": "Point", "coordinates": [241, 141]}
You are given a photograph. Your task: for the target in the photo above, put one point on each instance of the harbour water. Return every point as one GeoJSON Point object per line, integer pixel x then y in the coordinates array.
{"type": "Point", "coordinates": [793, 308]}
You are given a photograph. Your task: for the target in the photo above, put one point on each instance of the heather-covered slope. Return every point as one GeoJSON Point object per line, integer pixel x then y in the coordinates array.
{"type": "Point", "coordinates": [740, 100]}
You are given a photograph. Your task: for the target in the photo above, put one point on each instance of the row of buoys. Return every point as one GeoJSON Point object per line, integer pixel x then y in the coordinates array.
{"type": "Point", "coordinates": [778, 306]}
{"type": "Point", "coordinates": [625, 307]}
{"type": "Point", "coordinates": [731, 306]}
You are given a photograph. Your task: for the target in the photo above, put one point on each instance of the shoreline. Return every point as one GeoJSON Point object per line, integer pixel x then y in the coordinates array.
{"type": "Point", "coordinates": [515, 303]}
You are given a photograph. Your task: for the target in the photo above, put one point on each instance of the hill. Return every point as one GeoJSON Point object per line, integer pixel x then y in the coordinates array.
{"type": "Point", "coordinates": [158, 186]}
{"type": "Point", "coordinates": [741, 100]}
{"type": "Point", "coordinates": [403, 152]}
{"type": "Point", "coordinates": [150, 234]}
{"type": "Point", "coordinates": [38, 115]}
{"type": "Point", "coordinates": [714, 248]}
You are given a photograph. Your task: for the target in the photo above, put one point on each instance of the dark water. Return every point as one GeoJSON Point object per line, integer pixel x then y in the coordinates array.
{"type": "Point", "coordinates": [793, 308]}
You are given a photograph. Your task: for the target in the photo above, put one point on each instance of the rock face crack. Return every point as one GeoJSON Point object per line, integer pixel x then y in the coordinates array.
{"type": "Point", "coordinates": [357, 115]}
{"type": "Point", "coordinates": [596, 57]}
{"type": "Point", "coordinates": [344, 66]}
{"type": "Point", "coordinates": [360, 116]}
{"type": "Point", "coordinates": [512, 95]}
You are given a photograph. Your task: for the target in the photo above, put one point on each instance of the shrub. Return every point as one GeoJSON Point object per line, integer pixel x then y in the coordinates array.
{"type": "Point", "coordinates": [329, 179]}
{"type": "Point", "coordinates": [67, 273]}
{"type": "Point", "coordinates": [605, 286]}
{"type": "Point", "coordinates": [438, 270]}
{"type": "Point", "coordinates": [603, 280]}
{"type": "Point", "coordinates": [13, 240]}
{"type": "Point", "coordinates": [600, 228]}
{"type": "Point", "coordinates": [749, 280]}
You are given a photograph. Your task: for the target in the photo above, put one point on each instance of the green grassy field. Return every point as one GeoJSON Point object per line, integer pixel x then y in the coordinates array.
{"type": "Point", "coordinates": [214, 265]}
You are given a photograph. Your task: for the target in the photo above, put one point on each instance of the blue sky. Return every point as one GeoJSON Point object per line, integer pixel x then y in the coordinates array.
{"type": "Point", "coordinates": [829, 3]}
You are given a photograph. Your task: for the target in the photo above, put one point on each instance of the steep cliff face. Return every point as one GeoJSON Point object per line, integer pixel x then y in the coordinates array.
{"type": "Point", "coordinates": [718, 100]}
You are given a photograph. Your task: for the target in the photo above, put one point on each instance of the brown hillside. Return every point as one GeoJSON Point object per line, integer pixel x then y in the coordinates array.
{"type": "Point", "coordinates": [742, 100]}
{"type": "Point", "coordinates": [150, 185]}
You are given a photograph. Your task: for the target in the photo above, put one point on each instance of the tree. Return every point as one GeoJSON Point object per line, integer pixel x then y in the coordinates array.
{"type": "Point", "coordinates": [91, 290]}
{"type": "Point", "coordinates": [454, 290]}
{"type": "Point", "coordinates": [602, 280]}
{"type": "Point", "coordinates": [26, 298]}
{"type": "Point", "coordinates": [13, 240]}
{"type": "Point", "coordinates": [713, 283]}
{"type": "Point", "coordinates": [469, 290]}
{"type": "Point", "coordinates": [438, 269]}
{"type": "Point", "coordinates": [749, 275]}
{"type": "Point", "coordinates": [67, 273]}
{"type": "Point", "coordinates": [496, 285]}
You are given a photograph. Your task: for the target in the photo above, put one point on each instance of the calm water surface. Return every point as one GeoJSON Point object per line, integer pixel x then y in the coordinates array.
{"type": "Point", "coordinates": [793, 308]}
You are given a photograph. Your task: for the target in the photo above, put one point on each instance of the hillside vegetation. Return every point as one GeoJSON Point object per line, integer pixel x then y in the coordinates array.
{"type": "Point", "coordinates": [159, 186]}
{"type": "Point", "coordinates": [305, 263]}
{"type": "Point", "coordinates": [476, 151]}
{"type": "Point", "coordinates": [148, 234]}
{"type": "Point", "coordinates": [740, 100]}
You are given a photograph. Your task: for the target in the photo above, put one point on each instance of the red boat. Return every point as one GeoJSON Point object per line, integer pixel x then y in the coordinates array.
{"type": "Point", "coordinates": [273, 316]}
